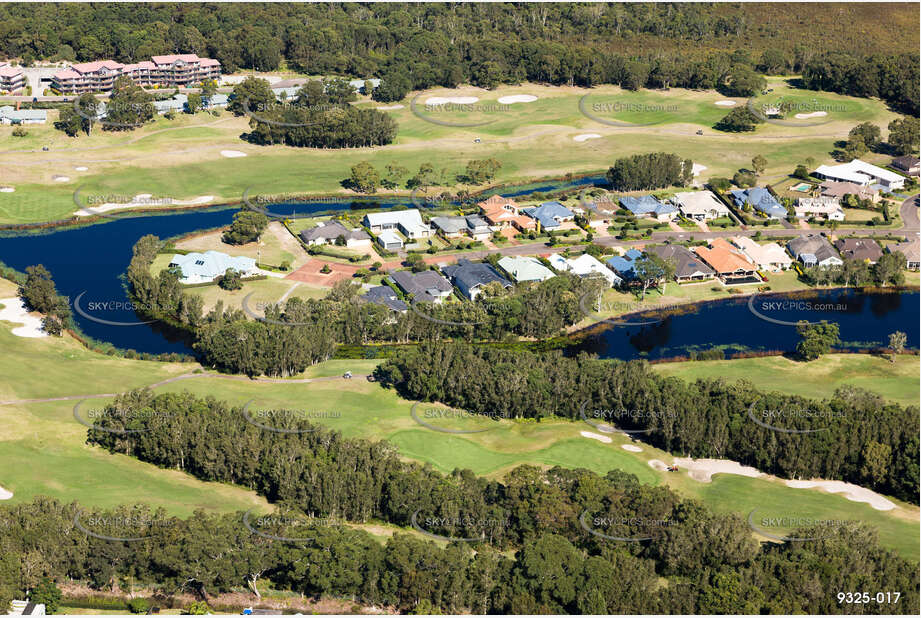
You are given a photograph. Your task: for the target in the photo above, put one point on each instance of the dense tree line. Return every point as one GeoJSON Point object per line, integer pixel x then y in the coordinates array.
{"type": "Point", "coordinates": [708, 418]}
{"type": "Point", "coordinates": [418, 46]}
{"type": "Point", "coordinates": [558, 566]}
{"type": "Point", "coordinates": [654, 170]}
{"type": "Point", "coordinates": [413, 575]}
{"type": "Point", "coordinates": [38, 293]}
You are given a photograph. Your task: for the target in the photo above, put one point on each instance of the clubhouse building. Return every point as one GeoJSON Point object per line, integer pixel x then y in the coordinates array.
{"type": "Point", "coordinates": [171, 70]}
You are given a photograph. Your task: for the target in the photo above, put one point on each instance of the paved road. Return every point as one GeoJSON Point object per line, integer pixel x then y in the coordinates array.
{"type": "Point", "coordinates": [186, 376]}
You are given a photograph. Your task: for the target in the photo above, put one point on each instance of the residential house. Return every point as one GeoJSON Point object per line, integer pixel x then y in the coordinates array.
{"type": "Point", "coordinates": [730, 264]}
{"type": "Point", "coordinates": [457, 227]}
{"type": "Point", "coordinates": [525, 269]}
{"type": "Point", "coordinates": [648, 206]}
{"type": "Point", "coordinates": [470, 277]}
{"type": "Point", "coordinates": [814, 250]}
{"type": "Point", "coordinates": [819, 207]}
{"type": "Point", "coordinates": [862, 173]}
{"type": "Point", "coordinates": [409, 222]}
{"type": "Point", "coordinates": [770, 256]}
{"type": "Point", "coordinates": [505, 212]}
{"type": "Point", "coordinates": [624, 265]}
{"type": "Point", "coordinates": [688, 266]}
{"type": "Point", "coordinates": [700, 205]}
{"type": "Point", "coordinates": [840, 189]}
{"type": "Point", "coordinates": [11, 115]}
{"type": "Point", "coordinates": [585, 266]}
{"type": "Point", "coordinates": [176, 104]}
{"type": "Point", "coordinates": [384, 295]}
{"type": "Point", "coordinates": [550, 215]}
{"type": "Point", "coordinates": [759, 199]}
{"type": "Point", "coordinates": [427, 286]}
{"type": "Point", "coordinates": [205, 267]}
{"type": "Point", "coordinates": [911, 249]}
{"type": "Point", "coordinates": [861, 249]}
{"type": "Point", "coordinates": [12, 78]}
{"type": "Point", "coordinates": [330, 231]}
{"type": "Point", "coordinates": [390, 240]}
{"type": "Point", "coordinates": [906, 163]}
{"type": "Point", "coordinates": [215, 100]}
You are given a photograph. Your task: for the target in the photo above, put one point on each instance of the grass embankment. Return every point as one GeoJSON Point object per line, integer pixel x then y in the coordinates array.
{"type": "Point", "coordinates": [182, 158]}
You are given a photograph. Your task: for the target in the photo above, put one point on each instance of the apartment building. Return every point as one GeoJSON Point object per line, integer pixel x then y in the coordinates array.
{"type": "Point", "coordinates": [171, 70]}
{"type": "Point", "coordinates": [11, 78]}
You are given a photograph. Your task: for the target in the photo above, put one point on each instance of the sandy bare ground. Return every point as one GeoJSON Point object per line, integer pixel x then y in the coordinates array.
{"type": "Point", "coordinates": [632, 448]}
{"type": "Point", "coordinates": [386, 107]}
{"type": "Point", "coordinates": [658, 465]}
{"type": "Point", "coordinates": [517, 98]}
{"type": "Point", "coordinates": [585, 136]}
{"type": "Point", "coordinates": [232, 154]}
{"type": "Point", "coordinates": [144, 200]}
{"type": "Point", "coordinates": [852, 492]}
{"type": "Point", "coordinates": [6, 189]}
{"type": "Point", "coordinates": [14, 311]}
{"type": "Point", "coordinates": [703, 469]}
{"type": "Point", "coordinates": [595, 436]}
{"type": "Point", "coordinates": [811, 115]}
{"type": "Point", "coordinates": [726, 103]}
{"type": "Point", "coordinates": [455, 100]}
{"type": "Point", "coordinates": [697, 168]}
{"type": "Point", "coordinates": [5, 494]}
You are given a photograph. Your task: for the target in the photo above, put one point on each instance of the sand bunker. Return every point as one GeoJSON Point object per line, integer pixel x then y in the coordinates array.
{"type": "Point", "coordinates": [697, 168]}
{"type": "Point", "coordinates": [703, 469]}
{"type": "Point", "coordinates": [584, 136]}
{"type": "Point", "coordinates": [658, 465]}
{"type": "Point", "coordinates": [144, 199]}
{"type": "Point", "coordinates": [5, 494]}
{"type": "Point", "coordinates": [726, 103]}
{"type": "Point", "coordinates": [6, 189]}
{"type": "Point", "coordinates": [596, 436]}
{"type": "Point", "coordinates": [61, 178]}
{"type": "Point", "coordinates": [631, 448]}
{"type": "Point", "coordinates": [854, 493]}
{"type": "Point", "coordinates": [517, 98]}
{"type": "Point", "coordinates": [811, 115]}
{"type": "Point", "coordinates": [14, 311]}
{"type": "Point", "coordinates": [81, 168]}
{"type": "Point", "coordinates": [455, 100]}
{"type": "Point", "coordinates": [386, 107]}
{"type": "Point", "coordinates": [232, 154]}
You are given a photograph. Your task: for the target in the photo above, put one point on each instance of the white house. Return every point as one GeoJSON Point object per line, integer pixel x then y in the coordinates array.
{"type": "Point", "coordinates": [525, 269]}
{"type": "Point", "coordinates": [205, 267]}
{"type": "Point", "coordinates": [827, 207]}
{"type": "Point", "coordinates": [390, 240]}
{"type": "Point", "coordinates": [10, 115]}
{"type": "Point", "coordinates": [584, 266]}
{"type": "Point", "coordinates": [700, 205]}
{"type": "Point", "coordinates": [770, 256]}
{"type": "Point", "coordinates": [409, 222]}
{"type": "Point", "coordinates": [861, 173]}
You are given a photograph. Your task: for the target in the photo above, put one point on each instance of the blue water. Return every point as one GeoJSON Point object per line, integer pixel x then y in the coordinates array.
{"type": "Point", "coordinates": [865, 320]}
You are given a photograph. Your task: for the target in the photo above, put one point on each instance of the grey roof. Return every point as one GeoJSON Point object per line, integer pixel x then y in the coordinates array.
{"type": "Point", "coordinates": [687, 263]}
{"type": "Point", "coordinates": [332, 230]}
{"type": "Point", "coordinates": [19, 115]}
{"type": "Point", "coordinates": [812, 245]}
{"type": "Point", "coordinates": [473, 274]}
{"type": "Point", "coordinates": [549, 213]}
{"type": "Point", "coordinates": [859, 249]}
{"type": "Point", "coordinates": [384, 295]}
{"type": "Point", "coordinates": [425, 286]}
{"type": "Point", "coordinates": [450, 225]}
{"type": "Point", "coordinates": [761, 200]}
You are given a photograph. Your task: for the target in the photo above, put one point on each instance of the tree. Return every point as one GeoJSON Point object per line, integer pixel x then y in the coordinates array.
{"type": "Point", "coordinates": [897, 341]}
{"type": "Point", "coordinates": [888, 269]}
{"type": "Point", "coordinates": [208, 88]}
{"type": "Point", "coordinates": [48, 593]}
{"type": "Point", "coordinates": [738, 120]}
{"type": "Point", "coordinates": [759, 164]}
{"type": "Point", "coordinates": [651, 269]}
{"type": "Point", "coordinates": [194, 102]}
{"type": "Point", "coordinates": [876, 459]}
{"type": "Point", "coordinates": [801, 172]}
{"type": "Point", "coordinates": [743, 82]}
{"type": "Point", "coordinates": [744, 179]}
{"type": "Point", "coordinates": [230, 280]}
{"type": "Point", "coordinates": [481, 170]}
{"type": "Point", "coordinates": [246, 227]}
{"type": "Point", "coordinates": [129, 106]}
{"type": "Point", "coordinates": [869, 132]}
{"type": "Point", "coordinates": [364, 178]}
{"type": "Point", "coordinates": [816, 339]}
{"type": "Point", "coordinates": [903, 135]}
{"type": "Point", "coordinates": [394, 86]}
{"type": "Point", "coordinates": [424, 178]}
{"type": "Point", "coordinates": [252, 94]}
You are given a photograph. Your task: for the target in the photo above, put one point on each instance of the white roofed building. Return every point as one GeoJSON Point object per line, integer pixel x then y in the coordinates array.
{"type": "Point", "coordinates": [861, 173]}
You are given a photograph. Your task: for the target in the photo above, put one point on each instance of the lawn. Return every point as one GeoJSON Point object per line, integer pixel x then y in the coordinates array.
{"type": "Point", "coordinates": [182, 158]}
{"type": "Point", "coordinates": [897, 381]}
